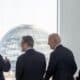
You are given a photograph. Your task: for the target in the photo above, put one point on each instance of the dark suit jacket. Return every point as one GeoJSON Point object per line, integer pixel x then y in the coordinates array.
{"type": "Point", "coordinates": [30, 66]}
{"type": "Point", "coordinates": [62, 65]}
{"type": "Point", "coordinates": [4, 67]}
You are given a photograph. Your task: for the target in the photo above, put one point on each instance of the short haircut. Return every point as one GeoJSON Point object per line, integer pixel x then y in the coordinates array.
{"type": "Point", "coordinates": [56, 37]}
{"type": "Point", "coordinates": [29, 40]}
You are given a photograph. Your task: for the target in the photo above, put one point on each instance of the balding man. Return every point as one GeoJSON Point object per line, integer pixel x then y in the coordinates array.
{"type": "Point", "coordinates": [62, 65]}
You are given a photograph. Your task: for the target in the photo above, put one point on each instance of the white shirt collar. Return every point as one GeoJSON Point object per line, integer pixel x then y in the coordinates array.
{"type": "Point", "coordinates": [28, 49]}
{"type": "Point", "coordinates": [57, 45]}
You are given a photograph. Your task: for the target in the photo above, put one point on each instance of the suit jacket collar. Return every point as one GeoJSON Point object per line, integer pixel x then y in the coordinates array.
{"type": "Point", "coordinates": [58, 46]}
{"type": "Point", "coordinates": [29, 51]}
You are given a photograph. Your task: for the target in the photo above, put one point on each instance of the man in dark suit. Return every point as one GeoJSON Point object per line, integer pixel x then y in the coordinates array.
{"type": "Point", "coordinates": [62, 65]}
{"type": "Point", "coordinates": [32, 64]}
{"type": "Point", "coordinates": [4, 67]}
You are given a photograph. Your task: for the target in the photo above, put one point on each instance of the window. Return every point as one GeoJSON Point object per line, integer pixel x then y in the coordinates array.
{"type": "Point", "coordinates": [38, 13]}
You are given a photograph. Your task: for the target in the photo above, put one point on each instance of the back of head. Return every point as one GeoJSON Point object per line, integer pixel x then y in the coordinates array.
{"type": "Point", "coordinates": [54, 40]}
{"type": "Point", "coordinates": [56, 37]}
{"type": "Point", "coordinates": [29, 40]}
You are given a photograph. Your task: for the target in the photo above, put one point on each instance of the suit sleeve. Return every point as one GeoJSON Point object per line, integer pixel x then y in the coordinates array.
{"type": "Point", "coordinates": [43, 66]}
{"type": "Point", "coordinates": [4, 65]}
{"type": "Point", "coordinates": [51, 67]}
{"type": "Point", "coordinates": [19, 68]}
{"type": "Point", "coordinates": [74, 65]}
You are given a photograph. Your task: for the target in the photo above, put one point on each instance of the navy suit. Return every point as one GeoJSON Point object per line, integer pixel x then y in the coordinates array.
{"type": "Point", "coordinates": [62, 65]}
{"type": "Point", "coordinates": [30, 66]}
{"type": "Point", "coordinates": [4, 67]}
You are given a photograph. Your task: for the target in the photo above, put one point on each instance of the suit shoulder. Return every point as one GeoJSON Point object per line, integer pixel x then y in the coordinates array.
{"type": "Point", "coordinates": [40, 54]}
{"type": "Point", "coordinates": [61, 50]}
{"type": "Point", "coordinates": [53, 54]}
{"type": "Point", "coordinates": [0, 56]}
{"type": "Point", "coordinates": [68, 50]}
{"type": "Point", "coordinates": [21, 57]}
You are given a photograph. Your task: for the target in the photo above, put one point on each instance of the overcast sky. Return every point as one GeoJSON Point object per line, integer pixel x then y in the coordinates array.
{"type": "Point", "coordinates": [41, 13]}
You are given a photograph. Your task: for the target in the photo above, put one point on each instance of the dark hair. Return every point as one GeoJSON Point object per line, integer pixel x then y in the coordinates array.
{"type": "Point", "coordinates": [29, 40]}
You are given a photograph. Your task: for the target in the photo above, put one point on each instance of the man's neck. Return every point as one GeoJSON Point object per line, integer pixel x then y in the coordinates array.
{"type": "Point", "coordinates": [57, 45]}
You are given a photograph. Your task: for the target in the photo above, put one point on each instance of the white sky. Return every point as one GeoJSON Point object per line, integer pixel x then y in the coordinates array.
{"type": "Point", "coordinates": [41, 13]}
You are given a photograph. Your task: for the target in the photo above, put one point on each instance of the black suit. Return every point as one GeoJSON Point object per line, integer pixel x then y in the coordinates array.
{"type": "Point", "coordinates": [30, 66]}
{"type": "Point", "coordinates": [62, 65]}
{"type": "Point", "coordinates": [4, 67]}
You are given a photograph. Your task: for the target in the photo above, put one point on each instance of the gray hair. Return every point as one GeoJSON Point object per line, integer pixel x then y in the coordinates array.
{"type": "Point", "coordinates": [56, 37]}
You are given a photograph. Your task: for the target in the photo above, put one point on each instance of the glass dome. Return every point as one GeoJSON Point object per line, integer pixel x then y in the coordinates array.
{"type": "Point", "coordinates": [10, 44]}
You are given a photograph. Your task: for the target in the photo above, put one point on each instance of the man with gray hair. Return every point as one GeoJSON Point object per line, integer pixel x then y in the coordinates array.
{"type": "Point", "coordinates": [32, 64]}
{"type": "Point", "coordinates": [62, 64]}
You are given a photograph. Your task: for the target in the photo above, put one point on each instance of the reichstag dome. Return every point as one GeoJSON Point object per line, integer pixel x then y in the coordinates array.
{"type": "Point", "coordinates": [10, 44]}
